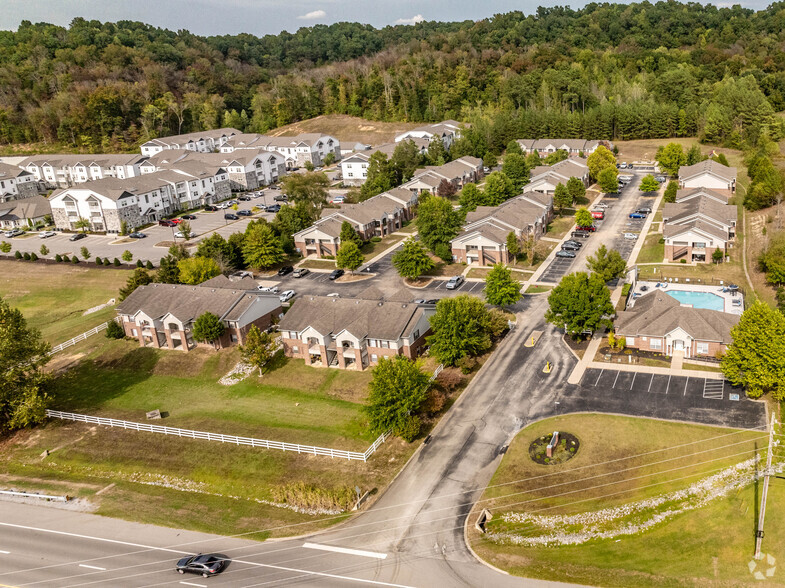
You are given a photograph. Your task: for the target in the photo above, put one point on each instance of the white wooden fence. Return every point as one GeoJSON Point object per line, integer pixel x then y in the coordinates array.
{"type": "Point", "coordinates": [309, 449]}
{"type": "Point", "coordinates": [59, 347]}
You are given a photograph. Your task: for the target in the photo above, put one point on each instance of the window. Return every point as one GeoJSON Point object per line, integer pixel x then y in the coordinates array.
{"type": "Point", "coordinates": [655, 343]}
{"type": "Point", "coordinates": [416, 335]}
{"type": "Point", "coordinates": [630, 341]}
{"type": "Point", "coordinates": [295, 349]}
{"type": "Point", "coordinates": [699, 245]}
{"type": "Point", "coordinates": [133, 332]}
{"type": "Point", "coordinates": [374, 358]}
{"type": "Point", "coordinates": [702, 348]}
{"type": "Point", "coordinates": [233, 338]}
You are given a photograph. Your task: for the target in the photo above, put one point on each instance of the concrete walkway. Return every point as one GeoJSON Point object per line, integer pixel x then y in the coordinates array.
{"type": "Point", "coordinates": [677, 360]}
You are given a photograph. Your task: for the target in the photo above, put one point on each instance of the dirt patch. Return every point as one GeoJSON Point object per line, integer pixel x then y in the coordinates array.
{"type": "Point", "coordinates": [418, 283]}
{"type": "Point", "coordinates": [165, 244]}
{"type": "Point", "coordinates": [577, 347]}
{"type": "Point", "coordinates": [63, 361]}
{"type": "Point", "coordinates": [347, 129]}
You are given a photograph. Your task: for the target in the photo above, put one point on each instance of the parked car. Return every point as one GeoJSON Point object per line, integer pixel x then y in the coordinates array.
{"type": "Point", "coordinates": [623, 165]}
{"type": "Point", "coordinates": [231, 216]}
{"type": "Point", "coordinates": [137, 235]}
{"type": "Point", "coordinates": [180, 235]}
{"type": "Point", "coordinates": [222, 205]}
{"type": "Point", "coordinates": [300, 272]}
{"type": "Point", "coordinates": [598, 214]}
{"type": "Point", "coordinates": [273, 208]}
{"type": "Point", "coordinates": [590, 228]}
{"type": "Point", "coordinates": [454, 282]}
{"type": "Point", "coordinates": [245, 213]}
{"type": "Point", "coordinates": [166, 223]}
{"type": "Point", "coordinates": [631, 236]}
{"type": "Point", "coordinates": [242, 274]}
{"type": "Point", "coordinates": [661, 179]}
{"type": "Point", "coordinates": [576, 243]}
{"type": "Point", "coordinates": [77, 236]}
{"type": "Point", "coordinates": [176, 221]}
{"type": "Point", "coordinates": [581, 234]}
{"type": "Point", "coordinates": [232, 202]}
{"type": "Point", "coordinates": [281, 198]}
{"type": "Point", "coordinates": [567, 246]}
{"type": "Point", "coordinates": [565, 253]}
{"type": "Point", "coordinates": [244, 198]}
{"type": "Point", "coordinates": [285, 270]}
{"type": "Point", "coordinates": [206, 564]}
{"type": "Point", "coordinates": [333, 295]}
{"type": "Point", "coordinates": [338, 199]}
{"type": "Point", "coordinates": [336, 273]}
{"type": "Point", "coordinates": [188, 217]}
{"type": "Point", "coordinates": [14, 233]}
{"type": "Point", "coordinates": [286, 295]}
{"type": "Point", "coordinates": [270, 289]}
{"type": "Point", "coordinates": [46, 234]}
{"type": "Point", "coordinates": [432, 301]}
{"type": "Point", "coordinates": [486, 170]}
{"type": "Point", "coordinates": [210, 208]}
{"type": "Point", "coordinates": [644, 210]}
{"type": "Point", "coordinates": [637, 215]}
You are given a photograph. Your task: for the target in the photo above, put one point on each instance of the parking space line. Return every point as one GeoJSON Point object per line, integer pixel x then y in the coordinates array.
{"type": "Point", "coordinates": [669, 384]}
{"type": "Point", "coordinates": [633, 379]}
{"type": "Point", "coordinates": [602, 371]}
{"type": "Point", "coordinates": [650, 381]}
{"type": "Point", "coordinates": [614, 381]}
{"type": "Point", "coordinates": [685, 386]}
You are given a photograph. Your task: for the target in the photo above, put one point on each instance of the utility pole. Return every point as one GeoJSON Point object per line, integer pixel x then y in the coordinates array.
{"type": "Point", "coordinates": [767, 474]}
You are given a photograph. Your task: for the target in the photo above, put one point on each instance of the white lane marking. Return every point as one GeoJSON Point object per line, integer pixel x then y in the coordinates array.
{"type": "Point", "coordinates": [360, 552]}
{"type": "Point", "coordinates": [650, 381]}
{"type": "Point", "coordinates": [615, 379]}
{"type": "Point", "coordinates": [192, 584]}
{"type": "Point", "coordinates": [633, 380]}
{"type": "Point", "coordinates": [668, 387]}
{"type": "Point", "coordinates": [92, 567]}
{"type": "Point", "coordinates": [598, 377]}
{"type": "Point", "coordinates": [5, 552]}
{"type": "Point", "coordinates": [179, 551]}
{"type": "Point", "coordinates": [685, 386]}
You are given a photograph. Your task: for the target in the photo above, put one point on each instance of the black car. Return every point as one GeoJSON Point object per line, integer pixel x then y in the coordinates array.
{"type": "Point", "coordinates": [564, 253]}
{"type": "Point", "coordinates": [137, 235]}
{"type": "Point", "coordinates": [567, 246]}
{"type": "Point", "coordinates": [231, 216]}
{"type": "Point", "coordinates": [188, 217]}
{"type": "Point", "coordinates": [335, 274]}
{"type": "Point", "coordinates": [211, 208]}
{"type": "Point", "coordinates": [581, 234]}
{"type": "Point", "coordinates": [244, 198]}
{"type": "Point", "coordinates": [432, 301]}
{"type": "Point", "coordinates": [206, 564]}
{"type": "Point", "coordinates": [273, 208]}
{"type": "Point", "coordinates": [77, 237]}
{"type": "Point", "coordinates": [574, 243]}
{"type": "Point", "coordinates": [285, 270]}
{"type": "Point", "coordinates": [244, 212]}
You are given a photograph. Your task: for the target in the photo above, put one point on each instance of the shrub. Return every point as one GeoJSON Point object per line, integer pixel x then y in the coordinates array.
{"type": "Point", "coordinates": [117, 262]}
{"type": "Point", "coordinates": [58, 259]}
{"type": "Point", "coordinates": [44, 250]}
{"type": "Point", "coordinates": [98, 260]}
{"type": "Point", "coordinates": [443, 251]}
{"type": "Point", "coordinates": [74, 259]}
{"type": "Point", "coordinates": [33, 257]}
{"type": "Point", "coordinates": [18, 255]}
{"type": "Point", "coordinates": [5, 247]}
{"type": "Point", "coordinates": [127, 255]}
{"type": "Point", "coordinates": [107, 261]}
{"type": "Point", "coordinates": [114, 330]}
{"type": "Point", "coordinates": [26, 256]}
{"type": "Point", "coordinates": [625, 290]}
{"type": "Point", "coordinates": [682, 261]}
{"type": "Point", "coordinates": [66, 259]}
{"type": "Point", "coordinates": [149, 264]}
{"type": "Point", "coordinates": [376, 239]}
{"type": "Point", "coordinates": [467, 364]}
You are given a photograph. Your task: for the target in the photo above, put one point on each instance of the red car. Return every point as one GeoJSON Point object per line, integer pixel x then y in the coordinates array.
{"type": "Point", "coordinates": [598, 214]}
{"type": "Point", "coordinates": [176, 221]}
{"type": "Point", "coordinates": [166, 223]}
{"type": "Point", "coordinates": [590, 228]}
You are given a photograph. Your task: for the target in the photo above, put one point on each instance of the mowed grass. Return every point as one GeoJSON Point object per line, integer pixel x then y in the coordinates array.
{"type": "Point", "coordinates": [196, 484]}
{"type": "Point", "coordinates": [559, 226]}
{"type": "Point", "coordinates": [652, 251]}
{"type": "Point", "coordinates": [622, 460]}
{"type": "Point", "coordinates": [53, 297]}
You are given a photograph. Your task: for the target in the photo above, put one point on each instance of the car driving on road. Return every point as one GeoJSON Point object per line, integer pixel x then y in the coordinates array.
{"type": "Point", "coordinates": [205, 564]}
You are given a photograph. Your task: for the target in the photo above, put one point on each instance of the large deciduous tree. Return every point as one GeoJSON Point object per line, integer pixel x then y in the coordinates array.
{"type": "Point", "coordinates": [23, 383]}
{"type": "Point", "coordinates": [607, 264]}
{"type": "Point", "coordinates": [756, 357]}
{"type": "Point", "coordinates": [262, 249]}
{"type": "Point", "coordinates": [670, 191]}
{"type": "Point", "coordinates": [583, 218]}
{"type": "Point", "coordinates": [349, 256]}
{"type": "Point", "coordinates": [608, 180]}
{"type": "Point", "coordinates": [601, 159]}
{"type": "Point", "coordinates": [461, 328]}
{"type": "Point", "coordinates": [577, 189]}
{"type": "Point", "coordinates": [580, 303]}
{"type": "Point", "coordinates": [380, 176]}
{"type": "Point", "coordinates": [498, 188]}
{"type": "Point", "coordinates": [196, 270]}
{"type": "Point", "coordinates": [397, 391]}
{"type": "Point", "coordinates": [259, 348]}
{"type": "Point", "coordinates": [671, 157]}
{"type": "Point", "coordinates": [561, 197]}
{"type": "Point", "coordinates": [412, 260]}
{"type": "Point", "coordinates": [438, 223]}
{"type": "Point", "coordinates": [208, 328]}
{"type": "Point", "coordinates": [501, 289]}
{"type": "Point", "coordinates": [471, 197]}
{"type": "Point", "coordinates": [309, 188]}
{"type": "Point", "coordinates": [649, 184]}
{"type": "Point", "coordinates": [515, 168]}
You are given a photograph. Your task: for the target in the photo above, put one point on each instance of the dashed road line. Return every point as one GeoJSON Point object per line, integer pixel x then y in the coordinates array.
{"type": "Point", "coordinates": [92, 567]}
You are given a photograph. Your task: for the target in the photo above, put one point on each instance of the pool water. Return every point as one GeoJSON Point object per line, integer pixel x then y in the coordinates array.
{"type": "Point", "coordinates": [705, 300]}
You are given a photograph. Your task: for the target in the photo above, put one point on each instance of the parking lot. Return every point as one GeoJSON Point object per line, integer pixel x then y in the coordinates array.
{"type": "Point", "coordinates": [682, 398]}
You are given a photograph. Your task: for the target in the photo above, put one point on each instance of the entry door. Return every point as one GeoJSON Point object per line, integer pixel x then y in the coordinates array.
{"type": "Point", "coordinates": [678, 345]}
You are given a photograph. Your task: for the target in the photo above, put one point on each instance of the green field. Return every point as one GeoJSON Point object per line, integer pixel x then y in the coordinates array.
{"type": "Point", "coordinates": [621, 461]}
{"type": "Point", "coordinates": [199, 484]}
{"type": "Point", "coordinates": [652, 251]}
{"type": "Point", "coordinates": [53, 297]}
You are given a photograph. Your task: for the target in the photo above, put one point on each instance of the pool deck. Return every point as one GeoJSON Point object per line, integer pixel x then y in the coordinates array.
{"type": "Point", "coordinates": [727, 296]}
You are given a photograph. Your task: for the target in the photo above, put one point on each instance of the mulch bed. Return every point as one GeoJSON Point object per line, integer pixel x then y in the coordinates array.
{"type": "Point", "coordinates": [565, 449]}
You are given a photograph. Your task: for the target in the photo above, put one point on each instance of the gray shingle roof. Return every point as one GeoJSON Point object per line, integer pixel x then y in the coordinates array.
{"type": "Point", "coordinates": [708, 166]}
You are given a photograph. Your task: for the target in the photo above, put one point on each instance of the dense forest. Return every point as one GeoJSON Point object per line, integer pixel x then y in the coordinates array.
{"type": "Point", "coordinates": [606, 71]}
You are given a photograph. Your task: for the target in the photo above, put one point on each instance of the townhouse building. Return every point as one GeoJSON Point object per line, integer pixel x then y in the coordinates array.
{"type": "Point", "coordinates": [203, 141]}
{"type": "Point", "coordinates": [483, 240]}
{"type": "Point", "coordinates": [448, 131]}
{"type": "Point", "coordinates": [64, 170]}
{"type": "Point", "coordinates": [573, 147]}
{"type": "Point", "coordinates": [297, 150]}
{"type": "Point", "coordinates": [16, 183]}
{"type": "Point", "coordinates": [697, 226]}
{"type": "Point", "coordinates": [718, 196]}
{"type": "Point", "coordinates": [24, 212]}
{"type": "Point", "coordinates": [458, 172]}
{"type": "Point", "coordinates": [162, 316]}
{"type": "Point", "coordinates": [376, 217]}
{"type": "Point", "coordinates": [708, 174]}
{"type": "Point", "coordinates": [545, 178]}
{"type": "Point", "coordinates": [354, 166]}
{"type": "Point", "coordinates": [353, 333]}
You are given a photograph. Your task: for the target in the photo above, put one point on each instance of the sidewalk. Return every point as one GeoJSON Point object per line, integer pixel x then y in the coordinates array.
{"type": "Point", "coordinates": [647, 369]}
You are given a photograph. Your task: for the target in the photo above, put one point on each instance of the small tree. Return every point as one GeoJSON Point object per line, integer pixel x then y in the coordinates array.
{"type": "Point", "coordinates": [611, 339]}
{"type": "Point", "coordinates": [717, 256]}
{"type": "Point", "coordinates": [149, 264]}
{"type": "Point", "coordinates": [140, 277]}
{"type": "Point", "coordinates": [74, 259]}
{"type": "Point", "coordinates": [309, 166]}
{"type": "Point", "coordinates": [609, 180]}
{"type": "Point", "coordinates": [85, 253]}
{"type": "Point", "coordinates": [185, 229]}
{"type": "Point", "coordinates": [116, 262]}
{"type": "Point", "coordinates": [501, 289]}
{"type": "Point", "coordinates": [44, 250]}
{"type": "Point", "coordinates": [649, 184]}
{"type": "Point", "coordinates": [579, 303]}
{"type": "Point", "coordinates": [489, 160]}
{"type": "Point", "coordinates": [259, 348]}
{"type": "Point", "coordinates": [471, 197]}
{"type": "Point", "coordinates": [18, 254]}
{"type": "Point", "coordinates": [26, 256]}
{"type": "Point", "coordinates": [583, 218]}
{"type": "Point", "coordinates": [607, 264]}
{"type": "Point", "coordinates": [349, 256]}
{"type": "Point", "coordinates": [98, 260]}
{"type": "Point", "coordinates": [412, 260]}
{"type": "Point", "coordinates": [114, 330]}
{"type": "Point", "coordinates": [33, 257]}
{"type": "Point", "coordinates": [66, 259]}
{"type": "Point", "coordinates": [670, 191]}
{"type": "Point", "coordinates": [5, 247]}
{"type": "Point", "coordinates": [561, 197]}
{"type": "Point", "coordinates": [127, 256]}
{"type": "Point", "coordinates": [397, 391]}
{"type": "Point", "coordinates": [195, 270]}
{"type": "Point", "coordinates": [513, 245]}
{"type": "Point", "coordinates": [139, 263]}
{"type": "Point", "coordinates": [123, 227]}
{"type": "Point", "coordinates": [82, 223]}
{"type": "Point", "coordinates": [577, 189]}
{"type": "Point", "coordinates": [348, 233]}
{"type": "Point", "coordinates": [208, 328]}
{"type": "Point", "coordinates": [446, 189]}
{"type": "Point", "coordinates": [460, 329]}
{"type": "Point", "coordinates": [329, 159]}
{"type": "Point", "coordinates": [58, 258]}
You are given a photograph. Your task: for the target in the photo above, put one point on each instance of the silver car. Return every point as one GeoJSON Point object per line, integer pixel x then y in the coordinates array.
{"type": "Point", "coordinates": [46, 234]}
{"type": "Point", "coordinates": [286, 295]}
{"type": "Point", "coordinates": [454, 282]}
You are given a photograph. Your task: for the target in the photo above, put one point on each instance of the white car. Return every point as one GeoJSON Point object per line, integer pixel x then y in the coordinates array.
{"type": "Point", "coordinates": [270, 289]}
{"type": "Point", "coordinates": [631, 236]}
{"type": "Point", "coordinates": [333, 295]}
{"type": "Point", "coordinates": [46, 234]}
{"type": "Point", "coordinates": [179, 235]}
{"type": "Point", "coordinates": [286, 295]}
{"type": "Point", "coordinates": [222, 205]}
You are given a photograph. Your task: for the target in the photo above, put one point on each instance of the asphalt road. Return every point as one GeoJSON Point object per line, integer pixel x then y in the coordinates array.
{"type": "Point", "coordinates": [413, 534]}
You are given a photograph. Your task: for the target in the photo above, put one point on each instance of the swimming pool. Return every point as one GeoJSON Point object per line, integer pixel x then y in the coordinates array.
{"type": "Point", "coordinates": [705, 300]}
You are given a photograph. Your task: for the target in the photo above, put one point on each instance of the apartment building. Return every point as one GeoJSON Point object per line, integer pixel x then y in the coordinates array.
{"type": "Point", "coordinates": [16, 183]}
{"type": "Point", "coordinates": [203, 141]}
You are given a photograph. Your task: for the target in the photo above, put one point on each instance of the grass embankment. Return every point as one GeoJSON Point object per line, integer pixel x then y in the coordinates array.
{"type": "Point", "coordinates": [623, 460]}
{"type": "Point", "coordinates": [198, 484]}
{"type": "Point", "coordinates": [53, 297]}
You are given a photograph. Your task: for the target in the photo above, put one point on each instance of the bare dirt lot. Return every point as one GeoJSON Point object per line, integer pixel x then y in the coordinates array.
{"type": "Point", "coordinates": [347, 129]}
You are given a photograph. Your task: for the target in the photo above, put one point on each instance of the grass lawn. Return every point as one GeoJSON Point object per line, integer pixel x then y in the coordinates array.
{"type": "Point", "coordinates": [538, 289]}
{"type": "Point", "coordinates": [371, 249]}
{"type": "Point", "coordinates": [652, 251]}
{"type": "Point", "coordinates": [318, 264]}
{"type": "Point", "coordinates": [702, 367]}
{"type": "Point", "coordinates": [199, 484]}
{"type": "Point", "coordinates": [442, 268]}
{"type": "Point", "coordinates": [53, 297]}
{"type": "Point", "coordinates": [559, 226]}
{"type": "Point", "coordinates": [622, 460]}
